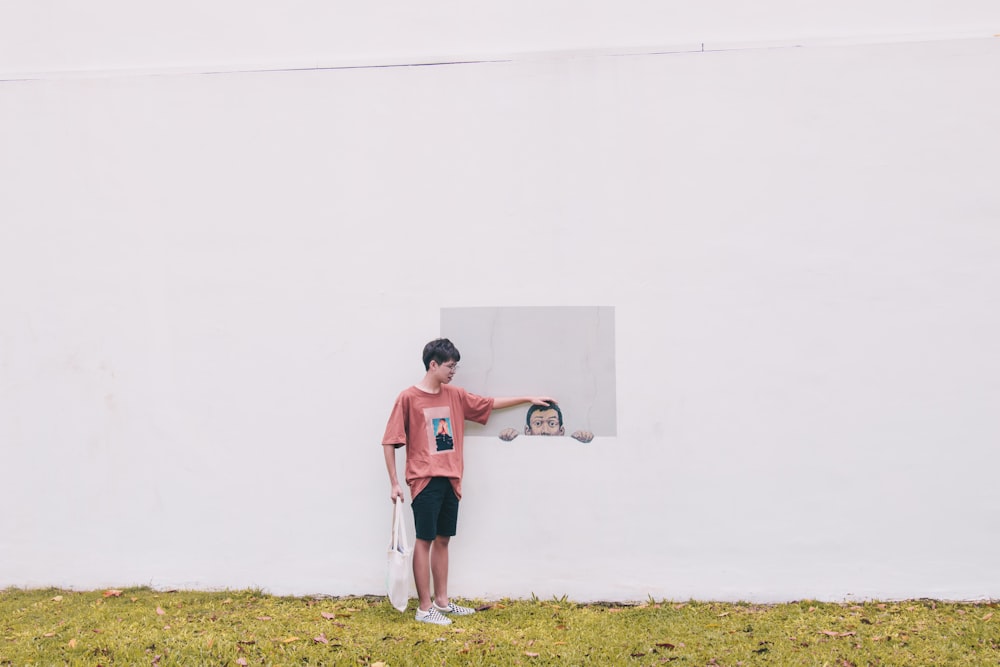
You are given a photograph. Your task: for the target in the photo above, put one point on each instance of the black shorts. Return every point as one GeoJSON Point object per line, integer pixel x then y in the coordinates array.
{"type": "Point", "coordinates": [435, 510]}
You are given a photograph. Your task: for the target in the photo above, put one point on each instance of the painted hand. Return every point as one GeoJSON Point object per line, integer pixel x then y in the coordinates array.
{"type": "Point", "coordinates": [508, 434]}
{"type": "Point", "coordinates": [583, 436]}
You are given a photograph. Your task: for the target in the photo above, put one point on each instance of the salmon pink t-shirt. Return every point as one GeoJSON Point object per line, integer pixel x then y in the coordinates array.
{"type": "Point", "coordinates": [431, 427]}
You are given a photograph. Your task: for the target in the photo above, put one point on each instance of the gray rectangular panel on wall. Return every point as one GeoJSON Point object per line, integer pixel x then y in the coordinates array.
{"type": "Point", "coordinates": [567, 352]}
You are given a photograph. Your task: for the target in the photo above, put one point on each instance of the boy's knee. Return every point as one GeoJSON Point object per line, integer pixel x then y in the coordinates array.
{"type": "Point", "coordinates": [441, 541]}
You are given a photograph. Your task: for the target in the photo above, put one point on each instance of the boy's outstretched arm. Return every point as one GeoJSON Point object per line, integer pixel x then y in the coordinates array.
{"type": "Point", "coordinates": [506, 402]}
{"type": "Point", "coordinates": [390, 465]}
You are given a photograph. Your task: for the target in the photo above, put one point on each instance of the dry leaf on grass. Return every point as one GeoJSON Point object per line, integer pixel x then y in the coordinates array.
{"type": "Point", "coordinates": [530, 654]}
{"type": "Point", "coordinates": [72, 643]}
{"type": "Point", "coordinates": [988, 616]}
{"type": "Point", "coordinates": [159, 611]}
{"type": "Point", "coordinates": [328, 615]}
{"type": "Point", "coordinates": [112, 593]}
{"type": "Point", "coordinates": [321, 639]}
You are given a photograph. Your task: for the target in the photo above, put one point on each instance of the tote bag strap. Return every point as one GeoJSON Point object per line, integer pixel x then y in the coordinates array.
{"type": "Point", "coordinates": [398, 540]}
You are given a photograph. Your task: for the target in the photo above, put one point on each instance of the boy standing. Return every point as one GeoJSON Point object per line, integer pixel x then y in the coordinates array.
{"type": "Point", "coordinates": [429, 420]}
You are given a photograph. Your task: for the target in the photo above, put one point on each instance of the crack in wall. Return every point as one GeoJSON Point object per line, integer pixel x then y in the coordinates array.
{"type": "Point", "coordinates": [720, 46]}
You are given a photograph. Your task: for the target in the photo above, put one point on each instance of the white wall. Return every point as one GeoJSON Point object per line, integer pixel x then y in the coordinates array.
{"type": "Point", "coordinates": [214, 286]}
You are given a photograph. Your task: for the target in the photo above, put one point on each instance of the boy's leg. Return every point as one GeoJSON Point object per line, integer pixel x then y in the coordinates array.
{"type": "Point", "coordinates": [426, 515]}
{"type": "Point", "coordinates": [422, 572]}
{"type": "Point", "coordinates": [435, 517]}
{"type": "Point", "coordinates": [426, 613]}
{"type": "Point", "coordinates": [439, 569]}
{"type": "Point", "coordinates": [447, 523]}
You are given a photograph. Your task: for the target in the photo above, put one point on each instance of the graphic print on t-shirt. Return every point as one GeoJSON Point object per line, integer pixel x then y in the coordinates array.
{"type": "Point", "coordinates": [439, 429]}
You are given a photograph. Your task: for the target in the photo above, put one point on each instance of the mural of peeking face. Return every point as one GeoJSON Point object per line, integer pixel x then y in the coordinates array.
{"type": "Point", "coordinates": [544, 420]}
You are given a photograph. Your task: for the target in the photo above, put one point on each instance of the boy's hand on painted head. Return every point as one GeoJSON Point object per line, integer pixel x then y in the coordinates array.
{"type": "Point", "coordinates": [542, 400]}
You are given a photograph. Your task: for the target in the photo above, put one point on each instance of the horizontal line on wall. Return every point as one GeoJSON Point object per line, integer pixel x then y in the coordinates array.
{"type": "Point", "coordinates": [442, 61]}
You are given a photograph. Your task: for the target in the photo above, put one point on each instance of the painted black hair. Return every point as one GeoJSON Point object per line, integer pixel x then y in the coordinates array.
{"type": "Point", "coordinates": [535, 408]}
{"type": "Point", "coordinates": [440, 350]}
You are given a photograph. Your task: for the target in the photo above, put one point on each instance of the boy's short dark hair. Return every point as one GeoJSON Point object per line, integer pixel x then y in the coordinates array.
{"type": "Point", "coordinates": [552, 405]}
{"type": "Point", "coordinates": [440, 350]}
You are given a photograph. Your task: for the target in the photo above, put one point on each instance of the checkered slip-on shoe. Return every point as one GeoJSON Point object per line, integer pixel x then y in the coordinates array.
{"type": "Point", "coordinates": [454, 609]}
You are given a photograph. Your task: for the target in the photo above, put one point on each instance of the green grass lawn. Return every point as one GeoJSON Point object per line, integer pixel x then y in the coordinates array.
{"type": "Point", "coordinates": [141, 626]}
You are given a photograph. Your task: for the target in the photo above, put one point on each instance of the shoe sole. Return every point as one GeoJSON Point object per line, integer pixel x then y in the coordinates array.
{"type": "Point", "coordinates": [425, 620]}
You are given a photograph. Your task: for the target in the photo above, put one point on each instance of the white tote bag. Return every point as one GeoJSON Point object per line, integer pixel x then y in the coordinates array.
{"type": "Point", "coordinates": [397, 581]}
